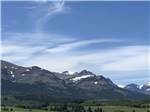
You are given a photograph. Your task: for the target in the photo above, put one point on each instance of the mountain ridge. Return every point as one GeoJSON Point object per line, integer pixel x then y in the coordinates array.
{"type": "Point", "coordinates": [17, 80]}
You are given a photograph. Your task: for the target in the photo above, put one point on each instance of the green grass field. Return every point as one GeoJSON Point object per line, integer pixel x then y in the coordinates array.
{"type": "Point", "coordinates": [105, 109]}
{"type": "Point", "coordinates": [123, 109]}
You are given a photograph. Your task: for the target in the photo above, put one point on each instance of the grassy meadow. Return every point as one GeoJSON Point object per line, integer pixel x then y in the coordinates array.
{"type": "Point", "coordinates": [104, 109]}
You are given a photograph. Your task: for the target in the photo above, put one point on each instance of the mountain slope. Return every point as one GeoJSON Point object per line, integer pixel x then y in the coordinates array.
{"type": "Point", "coordinates": [29, 75]}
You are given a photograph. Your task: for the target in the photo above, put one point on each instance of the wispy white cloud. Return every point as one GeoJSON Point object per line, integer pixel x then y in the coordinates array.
{"type": "Point", "coordinates": [57, 52]}
{"type": "Point", "coordinates": [69, 46]}
{"type": "Point", "coordinates": [41, 11]}
{"type": "Point", "coordinates": [20, 46]}
{"type": "Point", "coordinates": [132, 63]}
{"type": "Point", "coordinates": [47, 9]}
{"type": "Point", "coordinates": [19, 53]}
{"type": "Point", "coordinates": [126, 58]}
{"type": "Point", "coordinates": [34, 39]}
{"type": "Point", "coordinates": [114, 60]}
{"type": "Point", "coordinates": [56, 7]}
{"type": "Point", "coordinates": [123, 59]}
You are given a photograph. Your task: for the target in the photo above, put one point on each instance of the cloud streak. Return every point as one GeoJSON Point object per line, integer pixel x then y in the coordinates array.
{"type": "Point", "coordinates": [126, 58]}
{"type": "Point", "coordinates": [46, 10]}
{"type": "Point", "coordinates": [64, 53]}
{"type": "Point", "coordinates": [73, 45]}
{"type": "Point", "coordinates": [26, 45]}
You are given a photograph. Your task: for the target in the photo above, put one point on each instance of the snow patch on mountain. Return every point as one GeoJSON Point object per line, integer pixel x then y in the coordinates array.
{"type": "Point", "coordinates": [12, 74]}
{"type": "Point", "coordinates": [95, 82]}
{"type": "Point", "coordinates": [148, 89]}
{"type": "Point", "coordinates": [148, 84]}
{"type": "Point", "coordinates": [14, 67]}
{"type": "Point", "coordinates": [80, 77]}
{"type": "Point", "coordinates": [140, 87]}
{"type": "Point", "coordinates": [27, 70]}
{"type": "Point", "coordinates": [121, 86]}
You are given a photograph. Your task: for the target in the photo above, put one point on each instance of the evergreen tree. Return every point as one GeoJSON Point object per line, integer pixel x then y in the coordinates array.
{"type": "Point", "coordinates": [11, 109]}
{"type": "Point", "coordinates": [89, 109]}
{"type": "Point", "coordinates": [100, 110]}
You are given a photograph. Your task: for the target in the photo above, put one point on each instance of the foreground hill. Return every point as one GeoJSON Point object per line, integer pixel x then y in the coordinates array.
{"type": "Point", "coordinates": [36, 83]}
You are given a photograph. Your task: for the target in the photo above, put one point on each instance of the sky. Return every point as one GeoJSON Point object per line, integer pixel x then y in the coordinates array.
{"type": "Point", "coordinates": [107, 38]}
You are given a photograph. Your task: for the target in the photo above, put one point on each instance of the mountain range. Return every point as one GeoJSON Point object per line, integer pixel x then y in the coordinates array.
{"type": "Point", "coordinates": [40, 84]}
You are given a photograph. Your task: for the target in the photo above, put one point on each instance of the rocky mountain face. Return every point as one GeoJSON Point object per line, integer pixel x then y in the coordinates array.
{"type": "Point", "coordinates": [40, 83]}
{"type": "Point", "coordinates": [145, 88]}
{"type": "Point", "coordinates": [132, 87]}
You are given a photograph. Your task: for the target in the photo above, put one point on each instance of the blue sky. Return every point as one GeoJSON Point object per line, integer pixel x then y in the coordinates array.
{"type": "Point", "coordinates": [107, 38]}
